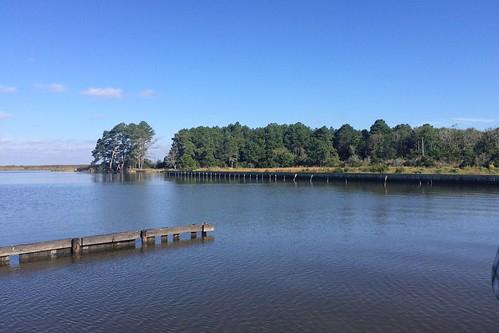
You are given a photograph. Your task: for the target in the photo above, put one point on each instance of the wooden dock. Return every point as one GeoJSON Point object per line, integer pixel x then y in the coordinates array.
{"type": "Point", "coordinates": [78, 246]}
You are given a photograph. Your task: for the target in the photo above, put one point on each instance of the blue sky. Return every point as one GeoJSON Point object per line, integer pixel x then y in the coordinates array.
{"type": "Point", "coordinates": [71, 69]}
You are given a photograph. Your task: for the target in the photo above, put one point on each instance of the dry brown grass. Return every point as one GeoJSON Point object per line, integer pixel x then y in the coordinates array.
{"type": "Point", "coordinates": [367, 169]}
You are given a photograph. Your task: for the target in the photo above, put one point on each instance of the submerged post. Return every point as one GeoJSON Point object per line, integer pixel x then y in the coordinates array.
{"type": "Point", "coordinates": [143, 237]}
{"type": "Point", "coordinates": [76, 246]}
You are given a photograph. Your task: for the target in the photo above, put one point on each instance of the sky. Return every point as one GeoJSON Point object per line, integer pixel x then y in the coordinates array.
{"type": "Point", "coordinates": [71, 69]}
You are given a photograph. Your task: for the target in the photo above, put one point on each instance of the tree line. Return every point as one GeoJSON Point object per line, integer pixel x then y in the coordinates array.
{"type": "Point", "coordinates": [124, 146]}
{"type": "Point", "coordinates": [277, 145]}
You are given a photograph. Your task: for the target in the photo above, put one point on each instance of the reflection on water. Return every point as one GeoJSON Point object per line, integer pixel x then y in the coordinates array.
{"type": "Point", "coordinates": [138, 177]}
{"type": "Point", "coordinates": [288, 257]}
{"type": "Point", "coordinates": [495, 275]}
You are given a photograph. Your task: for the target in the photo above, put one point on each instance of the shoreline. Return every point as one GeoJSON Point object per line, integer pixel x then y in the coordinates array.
{"type": "Point", "coordinates": [383, 178]}
{"type": "Point", "coordinates": [420, 176]}
{"type": "Point", "coordinates": [52, 168]}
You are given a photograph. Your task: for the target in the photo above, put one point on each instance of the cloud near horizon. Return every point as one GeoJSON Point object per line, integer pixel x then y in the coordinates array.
{"type": "Point", "coordinates": [58, 151]}
{"type": "Point", "coordinates": [103, 92]}
{"type": "Point", "coordinates": [52, 87]}
{"type": "Point", "coordinates": [4, 115]}
{"type": "Point", "coordinates": [33, 152]}
{"type": "Point", "coordinates": [7, 90]}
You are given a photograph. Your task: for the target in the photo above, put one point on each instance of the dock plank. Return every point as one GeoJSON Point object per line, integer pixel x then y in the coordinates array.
{"type": "Point", "coordinates": [74, 244]}
{"type": "Point", "coordinates": [35, 247]}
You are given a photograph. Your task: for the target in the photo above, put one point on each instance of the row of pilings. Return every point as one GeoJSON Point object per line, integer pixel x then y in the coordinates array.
{"type": "Point", "coordinates": [285, 177]}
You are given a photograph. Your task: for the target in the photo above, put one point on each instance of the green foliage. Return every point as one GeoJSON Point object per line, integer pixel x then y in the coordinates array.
{"type": "Point", "coordinates": [322, 152]}
{"type": "Point", "coordinates": [347, 141]}
{"type": "Point", "coordinates": [425, 161]}
{"type": "Point", "coordinates": [124, 146]}
{"type": "Point", "coordinates": [298, 145]}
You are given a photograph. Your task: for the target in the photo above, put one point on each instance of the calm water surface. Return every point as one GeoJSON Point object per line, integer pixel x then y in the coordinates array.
{"type": "Point", "coordinates": [284, 257]}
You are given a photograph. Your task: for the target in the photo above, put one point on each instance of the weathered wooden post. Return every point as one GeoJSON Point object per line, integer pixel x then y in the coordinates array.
{"type": "Point", "coordinates": [176, 237]}
{"type": "Point", "coordinates": [386, 178]}
{"type": "Point", "coordinates": [76, 246]}
{"type": "Point", "coordinates": [294, 179]}
{"type": "Point", "coordinates": [203, 231]}
{"type": "Point", "coordinates": [194, 234]}
{"type": "Point", "coordinates": [4, 260]}
{"type": "Point", "coordinates": [143, 237]}
{"type": "Point", "coordinates": [164, 239]}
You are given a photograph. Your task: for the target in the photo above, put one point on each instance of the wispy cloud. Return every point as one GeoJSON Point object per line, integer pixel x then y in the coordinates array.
{"type": "Point", "coordinates": [52, 87]}
{"type": "Point", "coordinates": [475, 120]}
{"type": "Point", "coordinates": [45, 151]}
{"type": "Point", "coordinates": [7, 90]}
{"type": "Point", "coordinates": [103, 92]}
{"type": "Point", "coordinates": [147, 93]}
{"type": "Point", "coordinates": [4, 115]}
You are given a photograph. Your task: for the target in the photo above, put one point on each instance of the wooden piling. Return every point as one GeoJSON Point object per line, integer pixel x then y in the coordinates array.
{"type": "Point", "coordinates": [176, 237]}
{"type": "Point", "coordinates": [76, 246]}
{"type": "Point", "coordinates": [143, 237]}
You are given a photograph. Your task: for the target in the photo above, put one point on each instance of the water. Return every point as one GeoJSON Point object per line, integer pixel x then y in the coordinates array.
{"type": "Point", "coordinates": [284, 257]}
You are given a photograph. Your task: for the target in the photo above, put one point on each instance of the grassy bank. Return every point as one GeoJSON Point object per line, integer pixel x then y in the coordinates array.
{"type": "Point", "coordinates": [367, 169]}
{"type": "Point", "coordinates": [145, 170]}
{"type": "Point", "coordinates": [54, 168]}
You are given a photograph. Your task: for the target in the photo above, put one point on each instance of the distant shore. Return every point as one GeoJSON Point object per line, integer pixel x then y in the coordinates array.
{"type": "Point", "coordinates": [291, 170]}
{"type": "Point", "coordinates": [447, 170]}
{"type": "Point", "coordinates": [54, 168]}
{"type": "Point", "coordinates": [322, 174]}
